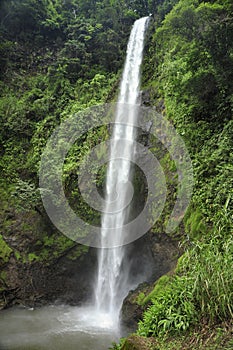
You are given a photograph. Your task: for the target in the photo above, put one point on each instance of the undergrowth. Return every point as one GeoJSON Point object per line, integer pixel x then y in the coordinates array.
{"type": "Point", "coordinates": [201, 290]}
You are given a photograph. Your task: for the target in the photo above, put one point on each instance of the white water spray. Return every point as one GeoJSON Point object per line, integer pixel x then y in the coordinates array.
{"type": "Point", "coordinates": [113, 270]}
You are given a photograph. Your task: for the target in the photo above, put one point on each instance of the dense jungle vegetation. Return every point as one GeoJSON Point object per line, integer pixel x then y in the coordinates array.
{"type": "Point", "coordinates": [58, 57]}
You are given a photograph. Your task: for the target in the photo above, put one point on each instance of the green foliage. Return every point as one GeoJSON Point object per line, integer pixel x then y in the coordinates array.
{"type": "Point", "coordinates": [118, 346]}
{"type": "Point", "coordinates": [189, 65]}
{"type": "Point", "coordinates": [18, 17]}
{"type": "Point", "coordinates": [26, 195]}
{"type": "Point", "coordinates": [214, 281]}
{"type": "Point", "coordinates": [17, 255]}
{"type": "Point", "coordinates": [5, 250]}
{"type": "Point", "coordinates": [201, 289]}
{"type": "Point", "coordinates": [49, 248]}
{"type": "Point", "coordinates": [194, 224]}
{"type": "Point", "coordinates": [212, 277]}
{"type": "Point", "coordinates": [72, 31]}
{"type": "Point", "coordinates": [172, 309]}
{"type": "Point", "coordinates": [140, 298]}
{"type": "Point", "coordinates": [190, 62]}
{"type": "Point", "coordinates": [213, 178]}
{"type": "Point", "coordinates": [33, 257]}
{"type": "Point", "coordinates": [78, 252]}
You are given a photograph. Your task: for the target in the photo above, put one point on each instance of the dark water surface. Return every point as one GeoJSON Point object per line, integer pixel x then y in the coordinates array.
{"type": "Point", "coordinates": [55, 328]}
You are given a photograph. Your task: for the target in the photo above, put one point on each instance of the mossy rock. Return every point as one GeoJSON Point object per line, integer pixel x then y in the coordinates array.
{"type": "Point", "coordinates": [159, 287]}
{"type": "Point", "coordinates": [195, 225]}
{"type": "Point", "coordinates": [135, 342]}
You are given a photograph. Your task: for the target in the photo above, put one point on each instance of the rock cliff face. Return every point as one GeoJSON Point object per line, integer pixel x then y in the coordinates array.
{"type": "Point", "coordinates": [41, 266]}
{"type": "Point", "coordinates": [64, 280]}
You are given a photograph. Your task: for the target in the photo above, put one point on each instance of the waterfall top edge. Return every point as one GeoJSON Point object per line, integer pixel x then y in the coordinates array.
{"type": "Point", "coordinates": [143, 19]}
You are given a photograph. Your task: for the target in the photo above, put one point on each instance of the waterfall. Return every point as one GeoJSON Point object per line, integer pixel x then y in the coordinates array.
{"type": "Point", "coordinates": [112, 278]}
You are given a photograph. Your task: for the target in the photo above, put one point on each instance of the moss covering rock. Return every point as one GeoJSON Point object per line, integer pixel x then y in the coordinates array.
{"type": "Point", "coordinates": [135, 342]}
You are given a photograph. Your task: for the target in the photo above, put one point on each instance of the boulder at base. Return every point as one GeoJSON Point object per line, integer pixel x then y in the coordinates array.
{"type": "Point", "coordinates": [134, 342]}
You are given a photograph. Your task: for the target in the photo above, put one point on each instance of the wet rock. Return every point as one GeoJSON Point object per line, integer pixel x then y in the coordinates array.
{"type": "Point", "coordinates": [158, 254]}
{"type": "Point", "coordinates": [67, 281]}
{"type": "Point", "coordinates": [132, 310]}
{"type": "Point", "coordinates": [42, 267]}
{"type": "Point", "coordinates": [145, 98]}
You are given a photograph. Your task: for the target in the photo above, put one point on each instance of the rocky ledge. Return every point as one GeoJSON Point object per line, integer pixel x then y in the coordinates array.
{"type": "Point", "coordinates": [40, 266]}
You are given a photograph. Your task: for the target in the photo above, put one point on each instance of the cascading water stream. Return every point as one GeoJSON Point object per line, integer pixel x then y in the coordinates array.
{"type": "Point", "coordinates": [112, 279]}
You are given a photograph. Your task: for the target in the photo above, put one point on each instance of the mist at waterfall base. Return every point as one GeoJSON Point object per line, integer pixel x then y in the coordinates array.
{"type": "Point", "coordinates": [95, 326]}
{"type": "Point", "coordinates": [55, 328]}
{"type": "Point", "coordinates": [59, 327]}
